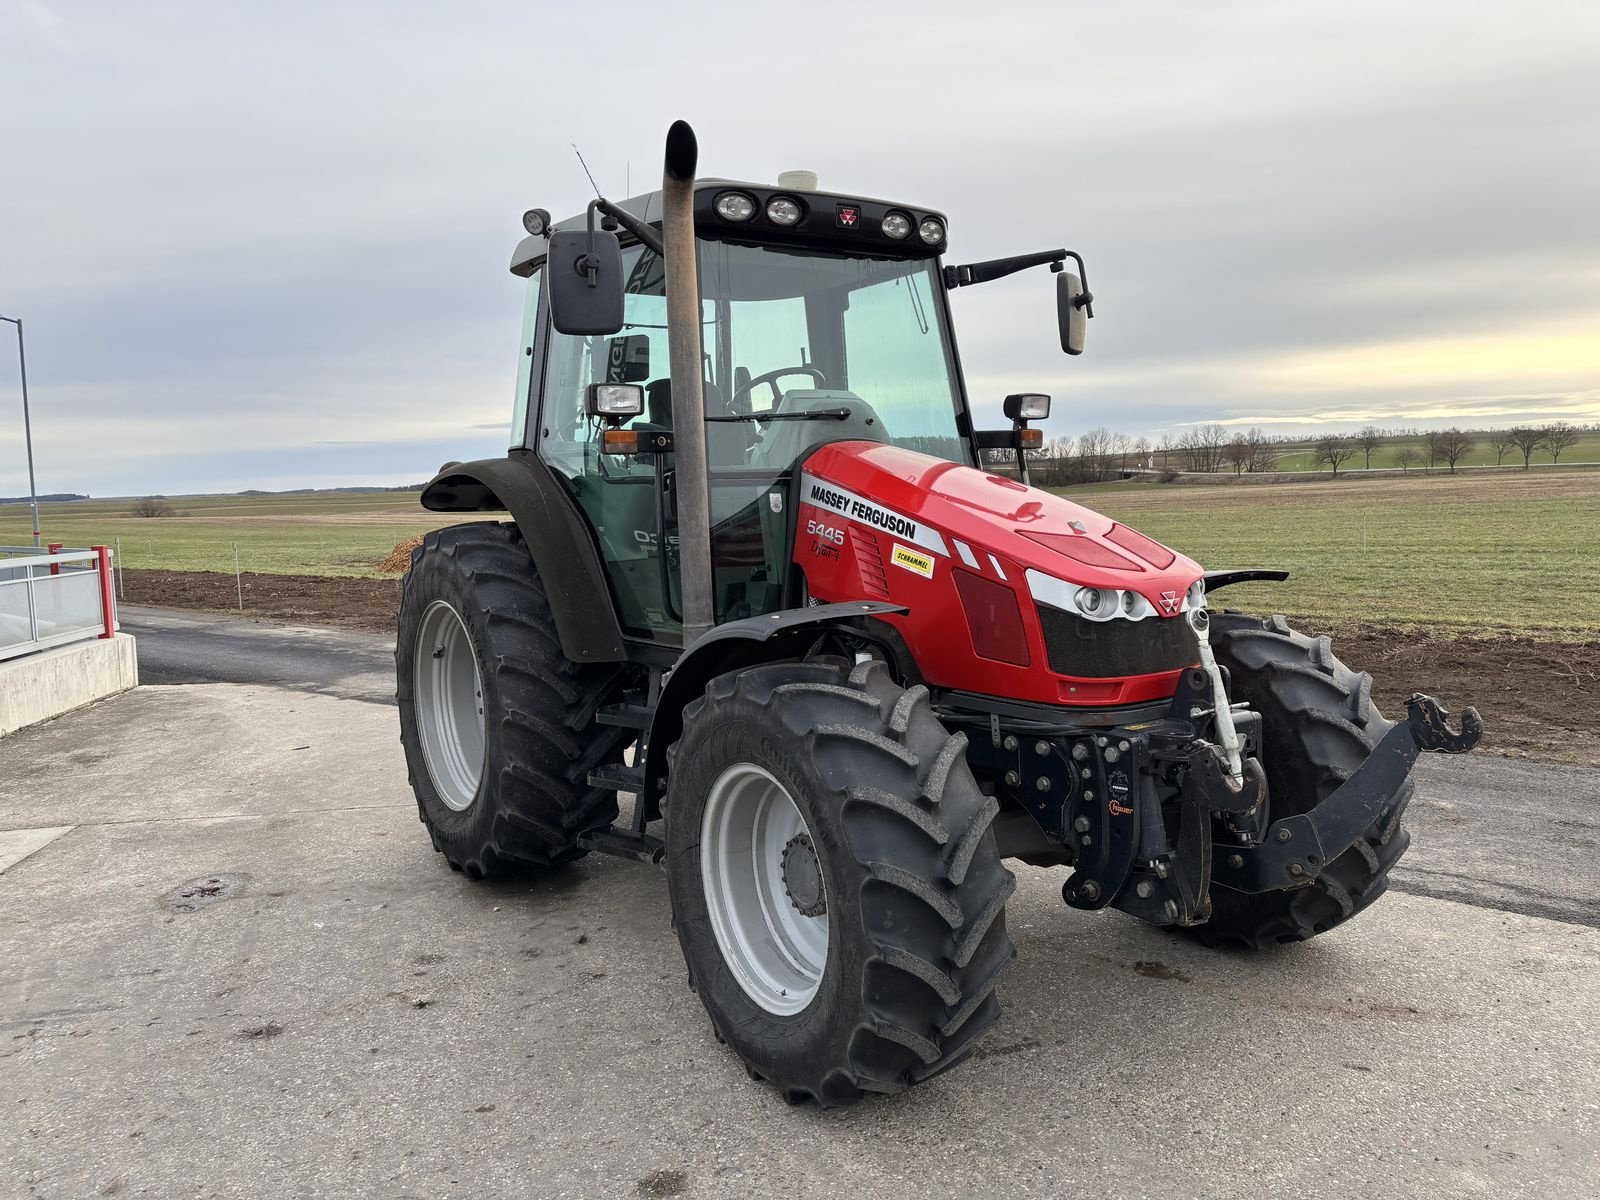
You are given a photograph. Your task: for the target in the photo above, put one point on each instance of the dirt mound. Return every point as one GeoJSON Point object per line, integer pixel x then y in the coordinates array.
{"type": "Point", "coordinates": [400, 560]}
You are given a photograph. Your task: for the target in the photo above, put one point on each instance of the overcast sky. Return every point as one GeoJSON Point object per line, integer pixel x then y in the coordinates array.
{"type": "Point", "coordinates": [265, 245]}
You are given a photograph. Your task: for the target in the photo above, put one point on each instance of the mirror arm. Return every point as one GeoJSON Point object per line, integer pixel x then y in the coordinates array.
{"type": "Point", "coordinates": [628, 221]}
{"type": "Point", "coordinates": [1085, 301]}
{"type": "Point", "coordinates": [999, 268]}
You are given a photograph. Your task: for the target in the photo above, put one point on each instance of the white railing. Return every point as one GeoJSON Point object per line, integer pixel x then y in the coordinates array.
{"type": "Point", "coordinates": [51, 598]}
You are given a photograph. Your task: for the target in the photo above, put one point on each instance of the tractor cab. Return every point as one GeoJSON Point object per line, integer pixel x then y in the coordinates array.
{"type": "Point", "coordinates": [823, 319]}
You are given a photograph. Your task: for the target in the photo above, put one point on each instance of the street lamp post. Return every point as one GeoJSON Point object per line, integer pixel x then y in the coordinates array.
{"type": "Point", "coordinates": [27, 426]}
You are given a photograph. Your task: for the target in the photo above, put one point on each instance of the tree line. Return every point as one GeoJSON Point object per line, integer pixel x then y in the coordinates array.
{"type": "Point", "coordinates": [1103, 453]}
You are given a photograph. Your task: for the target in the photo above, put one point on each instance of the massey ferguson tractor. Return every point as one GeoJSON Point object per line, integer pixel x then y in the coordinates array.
{"type": "Point", "coordinates": [757, 578]}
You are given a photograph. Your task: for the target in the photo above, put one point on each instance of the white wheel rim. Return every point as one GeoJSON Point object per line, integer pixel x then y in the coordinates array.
{"type": "Point", "coordinates": [448, 693]}
{"type": "Point", "coordinates": [776, 952]}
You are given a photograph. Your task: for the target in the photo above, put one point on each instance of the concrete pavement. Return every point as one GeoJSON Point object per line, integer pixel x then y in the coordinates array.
{"type": "Point", "coordinates": [244, 972]}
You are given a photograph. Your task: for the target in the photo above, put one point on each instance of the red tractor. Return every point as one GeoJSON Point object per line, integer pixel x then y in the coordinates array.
{"type": "Point", "coordinates": [757, 578]}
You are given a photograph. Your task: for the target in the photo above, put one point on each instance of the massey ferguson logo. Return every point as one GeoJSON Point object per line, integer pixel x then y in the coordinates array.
{"type": "Point", "coordinates": [1169, 603]}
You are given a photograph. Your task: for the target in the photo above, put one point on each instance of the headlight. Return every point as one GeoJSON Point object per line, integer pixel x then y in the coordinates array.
{"type": "Point", "coordinates": [735, 206]}
{"type": "Point", "coordinates": [783, 211]}
{"type": "Point", "coordinates": [931, 230]}
{"type": "Point", "coordinates": [897, 226]}
{"type": "Point", "coordinates": [1090, 599]}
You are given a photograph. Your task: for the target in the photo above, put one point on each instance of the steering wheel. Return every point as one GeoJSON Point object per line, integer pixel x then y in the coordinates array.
{"type": "Point", "coordinates": [771, 380]}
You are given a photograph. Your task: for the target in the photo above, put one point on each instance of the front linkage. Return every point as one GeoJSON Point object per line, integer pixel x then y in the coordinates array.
{"type": "Point", "coordinates": [1151, 814]}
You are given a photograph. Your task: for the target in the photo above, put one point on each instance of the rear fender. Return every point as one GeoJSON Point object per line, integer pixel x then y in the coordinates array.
{"type": "Point", "coordinates": [557, 536]}
{"type": "Point", "coordinates": [734, 646]}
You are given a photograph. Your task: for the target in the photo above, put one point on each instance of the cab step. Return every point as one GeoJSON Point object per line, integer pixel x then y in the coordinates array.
{"type": "Point", "coordinates": [627, 716]}
{"type": "Point", "coordinates": [618, 777]}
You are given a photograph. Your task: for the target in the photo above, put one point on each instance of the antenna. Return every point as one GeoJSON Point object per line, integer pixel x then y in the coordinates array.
{"type": "Point", "coordinates": [585, 167]}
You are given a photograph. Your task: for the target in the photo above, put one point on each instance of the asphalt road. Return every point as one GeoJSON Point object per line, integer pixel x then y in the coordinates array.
{"type": "Point", "coordinates": [233, 966]}
{"type": "Point", "coordinates": [1499, 833]}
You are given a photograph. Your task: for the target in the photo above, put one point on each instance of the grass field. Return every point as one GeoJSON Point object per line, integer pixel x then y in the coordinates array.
{"type": "Point", "coordinates": [1464, 554]}
{"type": "Point", "coordinates": [306, 534]}
{"type": "Point", "coordinates": [1303, 458]}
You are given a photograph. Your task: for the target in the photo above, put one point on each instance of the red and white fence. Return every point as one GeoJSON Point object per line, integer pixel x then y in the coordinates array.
{"type": "Point", "coordinates": [52, 598]}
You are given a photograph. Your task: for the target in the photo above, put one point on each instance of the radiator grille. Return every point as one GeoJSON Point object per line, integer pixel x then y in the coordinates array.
{"type": "Point", "coordinates": [1088, 649]}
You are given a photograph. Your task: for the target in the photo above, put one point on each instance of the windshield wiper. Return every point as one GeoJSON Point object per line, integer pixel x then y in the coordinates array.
{"type": "Point", "coordinates": [814, 414]}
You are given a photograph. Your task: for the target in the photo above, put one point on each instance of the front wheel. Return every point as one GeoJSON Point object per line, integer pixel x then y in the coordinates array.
{"type": "Point", "coordinates": [835, 883]}
{"type": "Point", "coordinates": [1318, 725]}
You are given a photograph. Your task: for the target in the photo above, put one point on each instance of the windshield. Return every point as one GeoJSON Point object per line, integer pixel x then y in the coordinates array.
{"type": "Point", "coordinates": [798, 331]}
{"type": "Point", "coordinates": [799, 349]}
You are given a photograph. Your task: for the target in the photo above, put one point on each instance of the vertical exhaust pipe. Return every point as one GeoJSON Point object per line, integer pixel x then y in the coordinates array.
{"type": "Point", "coordinates": [688, 394]}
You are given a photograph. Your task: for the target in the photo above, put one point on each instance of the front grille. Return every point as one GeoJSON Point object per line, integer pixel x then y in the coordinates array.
{"type": "Point", "coordinates": [1111, 649]}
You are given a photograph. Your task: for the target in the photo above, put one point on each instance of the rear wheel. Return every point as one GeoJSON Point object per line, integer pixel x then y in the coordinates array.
{"type": "Point", "coordinates": [834, 879]}
{"type": "Point", "coordinates": [498, 726]}
{"type": "Point", "coordinates": [1318, 725]}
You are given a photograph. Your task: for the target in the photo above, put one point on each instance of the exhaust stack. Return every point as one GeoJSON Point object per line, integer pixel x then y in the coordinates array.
{"type": "Point", "coordinates": [688, 394]}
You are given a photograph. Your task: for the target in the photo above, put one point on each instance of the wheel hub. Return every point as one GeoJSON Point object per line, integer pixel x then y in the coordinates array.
{"type": "Point", "coordinates": [802, 877]}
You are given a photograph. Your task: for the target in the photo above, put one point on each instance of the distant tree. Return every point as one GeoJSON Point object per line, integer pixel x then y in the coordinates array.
{"type": "Point", "coordinates": [1203, 445]}
{"type": "Point", "coordinates": [1141, 452]}
{"type": "Point", "coordinates": [1165, 447]}
{"type": "Point", "coordinates": [1369, 438]}
{"type": "Point", "coordinates": [1237, 454]}
{"type": "Point", "coordinates": [1263, 453]}
{"type": "Point", "coordinates": [1526, 439]}
{"type": "Point", "coordinates": [1453, 445]}
{"type": "Point", "coordinates": [1430, 447]}
{"type": "Point", "coordinates": [152, 506]}
{"type": "Point", "coordinates": [1407, 457]}
{"type": "Point", "coordinates": [1559, 436]}
{"type": "Point", "coordinates": [1499, 440]}
{"type": "Point", "coordinates": [1335, 452]}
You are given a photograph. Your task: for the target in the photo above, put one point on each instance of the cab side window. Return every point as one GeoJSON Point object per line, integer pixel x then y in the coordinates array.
{"type": "Point", "coordinates": [527, 353]}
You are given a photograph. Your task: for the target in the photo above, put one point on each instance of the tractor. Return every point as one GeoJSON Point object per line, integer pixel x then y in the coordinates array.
{"type": "Point", "coordinates": [757, 577]}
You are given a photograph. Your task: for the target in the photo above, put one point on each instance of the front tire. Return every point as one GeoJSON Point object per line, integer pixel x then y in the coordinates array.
{"type": "Point", "coordinates": [1318, 725]}
{"type": "Point", "coordinates": [860, 815]}
{"type": "Point", "coordinates": [497, 724]}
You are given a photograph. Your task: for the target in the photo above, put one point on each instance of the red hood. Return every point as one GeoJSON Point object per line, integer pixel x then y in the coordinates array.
{"type": "Point", "coordinates": [1025, 526]}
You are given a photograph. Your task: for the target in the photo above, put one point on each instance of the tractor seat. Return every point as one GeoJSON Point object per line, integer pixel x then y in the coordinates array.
{"type": "Point", "coordinates": [658, 402]}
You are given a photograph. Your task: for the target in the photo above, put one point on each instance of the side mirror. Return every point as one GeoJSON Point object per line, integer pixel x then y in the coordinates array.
{"type": "Point", "coordinates": [584, 277]}
{"type": "Point", "coordinates": [1071, 300]}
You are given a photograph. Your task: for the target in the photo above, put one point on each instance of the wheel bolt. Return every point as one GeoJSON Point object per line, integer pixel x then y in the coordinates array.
{"type": "Point", "coordinates": [1010, 743]}
{"type": "Point", "coordinates": [1041, 747]}
{"type": "Point", "coordinates": [1145, 888]}
{"type": "Point", "coordinates": [1081, 824]}
{"type": "Point", "coordinates": [1042, 783]}
{"type": "Point", "coordinates": [1012, 778]}
{"type": "Point", "coordinates": [1285, 835]}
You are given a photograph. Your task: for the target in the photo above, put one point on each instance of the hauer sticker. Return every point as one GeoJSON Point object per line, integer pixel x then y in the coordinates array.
{"type": "Point", "coordinates": [865, 512]}
{"type": "Point", "coordinates": [913, 560]}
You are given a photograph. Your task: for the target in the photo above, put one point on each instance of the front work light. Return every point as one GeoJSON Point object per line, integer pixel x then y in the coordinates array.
{"type": "Point", "coordinates": [616, 400]}
{"type": "Point", "coordinates": [1027, 406]}
{"type": "Point", "coordinates": [897, 226]}
{"type": "Point", "coordinates": [783, 211]}
{"type": "Point", "coordinates": [931, 230]}
{"type": "Point", "coordinates": [735, 206]}
{"type": "Point", "coordinates": [536, 221]}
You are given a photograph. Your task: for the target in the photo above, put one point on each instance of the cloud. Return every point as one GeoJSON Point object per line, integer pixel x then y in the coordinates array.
{"type": "Point", "coordinates": [266, 244]}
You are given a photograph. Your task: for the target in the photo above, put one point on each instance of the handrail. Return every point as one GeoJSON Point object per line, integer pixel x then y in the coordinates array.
{"type": "Point", "coordinates": [49, 603]}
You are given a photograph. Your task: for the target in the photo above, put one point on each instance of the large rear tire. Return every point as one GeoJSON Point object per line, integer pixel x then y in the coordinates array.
{"type": "Point", "coordinates": [498, 726]}
{"type": "Point", "coordinates": [834, 879]}
{"type": "Point", "coordinates": [1318, 725]}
